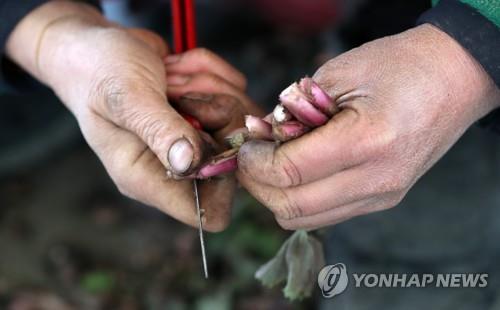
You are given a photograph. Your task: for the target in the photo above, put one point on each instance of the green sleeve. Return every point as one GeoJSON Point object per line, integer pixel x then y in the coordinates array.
{"type": "Point", "coordinates": [488, 8]}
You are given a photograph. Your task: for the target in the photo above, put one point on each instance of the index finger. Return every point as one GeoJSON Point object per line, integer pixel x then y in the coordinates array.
{"type": "Point", "coordinates": [202, 60]}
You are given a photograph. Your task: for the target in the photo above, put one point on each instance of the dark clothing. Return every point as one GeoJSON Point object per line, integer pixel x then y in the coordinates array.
{"type": "Point", "coordinates": [11, 12]}
{"type": "Point", "coordinates": [474, 31]}
{"type": "Point", "coordinates": [478, 33]}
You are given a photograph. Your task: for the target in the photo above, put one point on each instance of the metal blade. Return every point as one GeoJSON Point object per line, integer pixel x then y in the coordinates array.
{"type": "Point", "coordinates": [200, 227]}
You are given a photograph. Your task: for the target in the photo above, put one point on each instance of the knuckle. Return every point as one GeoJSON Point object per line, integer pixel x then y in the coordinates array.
{"type": "Point", "coordinates": [287, 173]}
{"type": "Point", "coordinates": [213, 79]}
{"type": "Point", "coordinates": [389, 184]}
{"type": "Point", "coordinates": [205, 54]}
{"type": "Point", "coordinates": [229, 105]}
{"type": "Point", "coordinates": [150, 130]}
{"type": "Point", "coordinates": [116, 165]}
{"type": "Point", "coordinates": [282, 205]}
{"type": "Point", "coordinates": [391, 200]}
{"type": "Point", "coordinates": [331, 72]}
{"type": "Point", "coordinates": [383, 183]}
{"type": "Point", "coordinates": [109, 92]}
{"type": "Point", "coordinates": [395, 199]}
{"type": "Point", "coordinates": [209, 58]}
{"type": "Point", "coordinates": [396, 183]}
{"type": "Point", "coordinates": [378, 144]}
{"type": "Point", "coordinates": [116, 93]}
{"type": "Point", "coordinates": [149, 126]}
{"type": "Point", "coordinates": [287, 225]}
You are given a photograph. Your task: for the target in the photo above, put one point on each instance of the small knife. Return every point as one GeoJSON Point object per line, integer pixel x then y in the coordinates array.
{"type": "Point", "coordinates": [184, 34]}
{"type": "Point", "coordinates": [200, 227]}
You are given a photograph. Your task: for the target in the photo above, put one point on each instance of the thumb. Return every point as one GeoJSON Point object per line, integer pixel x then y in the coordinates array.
{"type": "Point", "coordinates": [148, 115]}
{"type": "Point", "coordinates": [333, 147]}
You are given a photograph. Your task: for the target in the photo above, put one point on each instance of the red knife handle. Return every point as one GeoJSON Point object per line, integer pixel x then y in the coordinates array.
{"type": "Point", "coordinates": [192, 121]}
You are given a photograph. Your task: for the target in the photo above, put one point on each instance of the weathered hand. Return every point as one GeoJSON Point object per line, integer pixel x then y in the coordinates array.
{"type": "Point", "coordinates": [404, 101]}
{"type": "Point", "coordinates": [114, 82]}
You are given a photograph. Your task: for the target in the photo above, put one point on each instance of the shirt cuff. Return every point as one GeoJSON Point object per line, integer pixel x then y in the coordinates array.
{"type": "Point", "coordinates": [478, 35]}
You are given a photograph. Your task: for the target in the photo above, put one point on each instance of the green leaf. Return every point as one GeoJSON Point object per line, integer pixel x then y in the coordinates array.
{"type": "Point", "coordinates": [300, 260]}
{"type": "Point", "coordinates": [220, 300]}
{"type": "Point", "coordinates": [97, 282]}
{"type": "Point", "coordinates": [274, 271]}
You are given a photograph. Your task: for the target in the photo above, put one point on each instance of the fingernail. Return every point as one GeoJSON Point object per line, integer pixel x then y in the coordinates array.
{"type": "Point", "coordinates": [170, 59]}
{"type": "Point", "coordinates": [180, 156]}
{"type": "Point", "coordinates": [177, 79]}
{"type": "Point", "coordinates": [198, 97]}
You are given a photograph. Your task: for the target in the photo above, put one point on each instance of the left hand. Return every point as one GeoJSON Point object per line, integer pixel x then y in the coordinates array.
{"type": "Point", "coordinates": [404, 101]}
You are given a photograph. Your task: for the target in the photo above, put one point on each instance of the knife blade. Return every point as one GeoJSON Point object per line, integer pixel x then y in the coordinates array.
{"type": "Point", "coordinates": [200, 227]}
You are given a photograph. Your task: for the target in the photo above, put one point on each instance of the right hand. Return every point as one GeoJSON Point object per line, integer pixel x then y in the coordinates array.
{"type": "Point", "coordinates": [114, 81]}
{"type": "Point", "coordinates": [404, 101]}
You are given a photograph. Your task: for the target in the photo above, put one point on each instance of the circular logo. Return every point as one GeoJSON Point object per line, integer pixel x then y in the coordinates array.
{"type": "Point", "coordinates": [333, 280]}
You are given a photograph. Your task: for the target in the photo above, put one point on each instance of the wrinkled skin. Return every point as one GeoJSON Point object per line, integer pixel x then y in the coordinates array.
{"type": "Point", "coordinates": [405, 101]}
{"type": "Point", "coordinates": [114, 81]}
